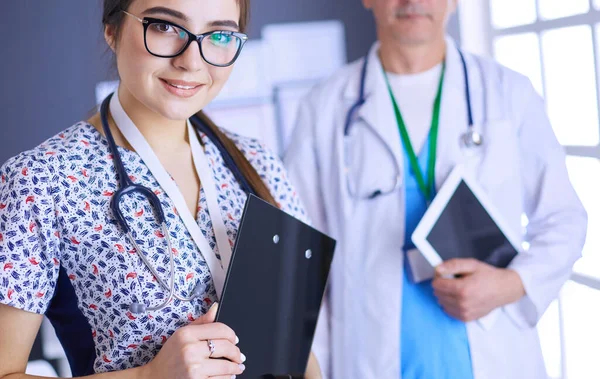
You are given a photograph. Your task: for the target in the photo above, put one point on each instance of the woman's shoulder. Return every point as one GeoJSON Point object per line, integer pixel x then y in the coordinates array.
{"type": "Point", "coordinates": [247, 144]}
{"type": "Point", "coordinates": [264, 159]}
{"type": "Point", "coordinates": [61, 147]}
{"type": "Point", "coordinates": [272, 171]}
{"type": "Point", "coordinates": [29, 234]}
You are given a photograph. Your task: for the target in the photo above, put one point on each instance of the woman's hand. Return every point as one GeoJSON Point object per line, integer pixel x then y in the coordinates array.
{"type": "Point", "coordinates": [313, 371]}
{"type": "Point", "coordinates": [480, 289]}
{"type": "Point", "coordinates": [186, 355]}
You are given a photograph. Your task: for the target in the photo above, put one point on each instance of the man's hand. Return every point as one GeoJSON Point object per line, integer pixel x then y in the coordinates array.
{"type": "Point", "coordinates": [479, 289]}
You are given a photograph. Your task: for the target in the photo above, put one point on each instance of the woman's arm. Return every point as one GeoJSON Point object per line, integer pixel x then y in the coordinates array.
{"type": "Point", "coordinates": [313, 371]}
{"type": "Point", "coordinates": [184, 355]}
{"type": "Point", "coordinates": [18, 330]}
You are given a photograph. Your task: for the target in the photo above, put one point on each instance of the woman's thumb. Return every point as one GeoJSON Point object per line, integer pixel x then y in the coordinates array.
{"type": "Point", "coordinates": [209, 316]}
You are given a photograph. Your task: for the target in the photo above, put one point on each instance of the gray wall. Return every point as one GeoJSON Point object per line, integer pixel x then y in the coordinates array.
{"type": "Point", "coordinates": [53, 54]}
{"type": "Point", "coordinates": [52, 57]}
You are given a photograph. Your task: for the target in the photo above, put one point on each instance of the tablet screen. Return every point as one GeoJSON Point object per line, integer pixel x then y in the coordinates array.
{"type": "Point", "coordinates": [464, 229]}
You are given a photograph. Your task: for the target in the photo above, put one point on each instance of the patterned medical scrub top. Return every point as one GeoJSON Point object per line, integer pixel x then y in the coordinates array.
{"type": "Point", "coordinates": [62, 253]}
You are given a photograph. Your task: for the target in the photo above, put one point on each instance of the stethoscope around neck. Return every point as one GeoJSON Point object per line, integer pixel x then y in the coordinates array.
{"type": "Point", "coordinates": [470, 139]}
{"type": "Point", "coordinates": [127, 187]}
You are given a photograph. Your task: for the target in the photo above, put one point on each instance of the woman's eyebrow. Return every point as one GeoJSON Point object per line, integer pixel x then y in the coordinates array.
{"type": "Point", "coordinates": [165, 11]}
{"type": "Point", "coordinates": [178, 15]}
{"type": "Point", "coordinates": [226, 23]}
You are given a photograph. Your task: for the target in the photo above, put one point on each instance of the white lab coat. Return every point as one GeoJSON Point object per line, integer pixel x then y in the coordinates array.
{"type": "Point", "coordinates": [522, 168]}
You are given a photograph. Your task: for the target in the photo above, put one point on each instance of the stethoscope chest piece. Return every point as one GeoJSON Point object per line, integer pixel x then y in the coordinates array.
{"type": "Point", "coordinates": [472, 138]}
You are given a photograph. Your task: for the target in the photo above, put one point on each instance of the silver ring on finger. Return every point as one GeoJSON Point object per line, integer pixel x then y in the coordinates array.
{"type": "Point", "coordinates": [211, 348]}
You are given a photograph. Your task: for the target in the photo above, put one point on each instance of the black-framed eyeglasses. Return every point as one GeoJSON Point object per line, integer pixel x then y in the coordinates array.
{"type": "Point", "coordinates": [165, 39]}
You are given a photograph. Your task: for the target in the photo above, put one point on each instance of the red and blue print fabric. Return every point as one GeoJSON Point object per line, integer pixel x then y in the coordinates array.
{"type": "Point", "coordinates": [63, 255]}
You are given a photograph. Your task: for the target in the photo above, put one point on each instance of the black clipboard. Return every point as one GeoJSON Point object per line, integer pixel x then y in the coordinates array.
{"type": "Point", "coordinates": [273, 290]}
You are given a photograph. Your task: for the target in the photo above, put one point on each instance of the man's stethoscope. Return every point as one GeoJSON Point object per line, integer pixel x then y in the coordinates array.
{"type": "Point", "coordinates": [470, 139]}
{"type": "Point", "coordinates": [127, 187]}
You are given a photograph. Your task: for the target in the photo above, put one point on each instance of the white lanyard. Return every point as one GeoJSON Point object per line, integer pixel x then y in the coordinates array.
{"type": "Point", "coordinates": [144, 150]}
{"type": "Point", "coordinates": [210, 189]}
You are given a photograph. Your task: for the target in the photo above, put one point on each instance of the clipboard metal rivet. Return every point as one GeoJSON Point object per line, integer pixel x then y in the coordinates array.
{"type": "Point", "coordinates": [308, 254]}
{"type": "Point", "coordinates": [276, 239]}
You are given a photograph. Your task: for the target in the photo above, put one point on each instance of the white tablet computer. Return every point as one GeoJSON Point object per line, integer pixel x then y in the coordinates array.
{"type": "Point", "coordinates": [461, 222]}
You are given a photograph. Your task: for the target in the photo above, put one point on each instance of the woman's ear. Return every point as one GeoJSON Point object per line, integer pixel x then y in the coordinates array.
{"type": "Point", "coordinates": [110, 36]}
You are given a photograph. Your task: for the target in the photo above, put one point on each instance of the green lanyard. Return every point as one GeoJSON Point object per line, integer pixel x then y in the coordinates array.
{"type": "Point", "coordinates": [427, 189]}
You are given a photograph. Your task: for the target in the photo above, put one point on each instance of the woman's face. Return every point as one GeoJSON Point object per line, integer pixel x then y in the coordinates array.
{"type": "Point", "coordinates": [175, 88]}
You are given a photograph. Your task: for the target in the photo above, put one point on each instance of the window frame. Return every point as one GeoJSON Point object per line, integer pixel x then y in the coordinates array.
{"type": "Point", "coordinates": [484, 45]}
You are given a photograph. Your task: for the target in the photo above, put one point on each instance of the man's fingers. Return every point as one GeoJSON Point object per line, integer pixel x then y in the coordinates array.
{"type": "Point", "coordinates": [450, 306]}
{"type": "Point", "coordinates": [449, 287]}
{"type": "Point", "coordinates": [458, 266]}
{"type": "Point", "coordinates": [461, 313]}
{"type": "Point", "coordinates": [453, 313]}
{"type": "Point", "coordinates": [445, 299]}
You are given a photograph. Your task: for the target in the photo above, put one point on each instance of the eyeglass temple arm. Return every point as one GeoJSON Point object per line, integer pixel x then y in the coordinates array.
{"type": "Point", "coordinates": [136, 17]}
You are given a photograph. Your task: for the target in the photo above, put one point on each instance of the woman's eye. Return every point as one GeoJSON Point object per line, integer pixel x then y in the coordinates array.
{"type": "Point", "coordinates": [163, 28]}
{"type": "Point", "coordinates": [220, 39]}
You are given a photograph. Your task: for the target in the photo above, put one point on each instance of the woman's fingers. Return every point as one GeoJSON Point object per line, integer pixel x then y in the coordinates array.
{"type": "Point", "coordinates": [223, 349]}
{"type": "Point", "coordinates": [222, 368]}
{"type": "Point", "coordinates": [214, 331]}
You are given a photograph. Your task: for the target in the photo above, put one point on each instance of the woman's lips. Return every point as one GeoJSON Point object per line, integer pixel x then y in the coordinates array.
{"type": "Point", "coordinates": [181, 88]}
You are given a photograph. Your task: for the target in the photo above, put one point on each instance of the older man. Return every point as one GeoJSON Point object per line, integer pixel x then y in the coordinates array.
{"type": "Point", "coordinates": [372, 146]}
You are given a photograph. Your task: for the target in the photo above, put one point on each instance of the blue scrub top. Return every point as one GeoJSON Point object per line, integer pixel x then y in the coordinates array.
{"type": "Point", "coordinates": [433, 344]}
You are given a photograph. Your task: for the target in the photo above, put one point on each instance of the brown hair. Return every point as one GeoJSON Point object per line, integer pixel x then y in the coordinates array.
{"type": "Point", "coordinates": [112, 15]}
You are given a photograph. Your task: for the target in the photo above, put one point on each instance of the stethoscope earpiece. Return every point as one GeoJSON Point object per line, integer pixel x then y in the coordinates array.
{"type": "Point", "coordinates": [198, 290]}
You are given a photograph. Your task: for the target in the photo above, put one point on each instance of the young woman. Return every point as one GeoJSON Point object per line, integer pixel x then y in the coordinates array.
{"type": "Point", "coordinates": [130, 295]}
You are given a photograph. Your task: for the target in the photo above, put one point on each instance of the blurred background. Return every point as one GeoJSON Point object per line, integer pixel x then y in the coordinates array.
{"type": "Point", "coordinates": [55, 69]}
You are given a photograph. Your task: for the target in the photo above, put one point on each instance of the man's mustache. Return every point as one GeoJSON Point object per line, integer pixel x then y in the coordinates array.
{"type": "Point", "coordinates": [412, 10]}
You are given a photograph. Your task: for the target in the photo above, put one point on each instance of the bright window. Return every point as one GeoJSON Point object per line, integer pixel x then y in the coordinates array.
{"type": "Point", "coordinates": [556, 44]}
{"type": "Point", "coordinates": [568, 59]}
{"type": "Point", "coordinates": [553, 9]}
{"type": "Point", "coordinates": [507, 13]}
{"type": "Point", "coordinates": [585, 176]}
{"type": "Point", "coordinates": [581, 313]}
{"type": "Point", "coordinates": [521, 52]}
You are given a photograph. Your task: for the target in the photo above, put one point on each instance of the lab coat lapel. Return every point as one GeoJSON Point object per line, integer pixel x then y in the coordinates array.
{"type": "Point", "coordinates": [454, 123]}
{"type": "Point", "coordinates": [453, 115]}
{"type": "Point", "coordinates": [377, 114]}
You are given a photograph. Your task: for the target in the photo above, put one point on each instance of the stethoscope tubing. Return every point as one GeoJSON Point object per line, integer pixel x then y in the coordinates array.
{"type": "Point", "coordinates": [127, 187]}
{"type": "Point", "coordinates": [470, 138]}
